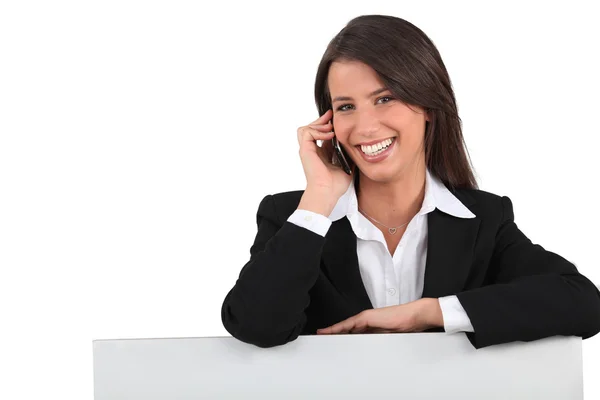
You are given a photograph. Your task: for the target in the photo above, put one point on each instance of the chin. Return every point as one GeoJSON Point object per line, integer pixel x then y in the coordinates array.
{"type": "Point", "coordinates": [377, 174]}
{"type": "Point", "coordinates": [385, 173]}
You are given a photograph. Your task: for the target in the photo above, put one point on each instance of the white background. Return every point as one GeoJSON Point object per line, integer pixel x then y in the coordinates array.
{"type": "Point", "coordinates": [138, 138]}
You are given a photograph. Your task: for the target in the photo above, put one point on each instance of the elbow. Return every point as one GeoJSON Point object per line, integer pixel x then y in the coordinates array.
{"type": "Point", "coordinates": [265, 339]}
{"type": "Point", "coordinates": [593, 312]}
{"type": "Point", "coordinates": [588, 305]}
{"type": "Point", "coordinates": [259, 331]}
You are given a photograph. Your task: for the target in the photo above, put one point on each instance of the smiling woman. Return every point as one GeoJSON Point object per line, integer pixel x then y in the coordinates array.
{"type": "Point", "coordinates": [364, 123]}
{"type": "Point", "coordinates": [404, 241]}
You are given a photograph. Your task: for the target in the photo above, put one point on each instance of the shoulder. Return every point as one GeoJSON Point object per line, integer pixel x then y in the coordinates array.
{"type": "Point", "coordinates": [279, 206]}
{"type": "Point", "coordinates": [485, 204]}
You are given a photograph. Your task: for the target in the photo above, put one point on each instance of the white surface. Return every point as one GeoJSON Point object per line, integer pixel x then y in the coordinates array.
{"type": "Point", "coordinates": [108, 183]}
{"type": "Point", "coordinates": [409, 366]}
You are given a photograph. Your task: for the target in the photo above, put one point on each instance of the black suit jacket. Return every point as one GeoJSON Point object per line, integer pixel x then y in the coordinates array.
{"type": "Point", "coordinates": [297, 281]}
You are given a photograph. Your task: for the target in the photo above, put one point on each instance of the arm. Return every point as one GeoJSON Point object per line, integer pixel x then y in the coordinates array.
{"type": "Point", "coordinates": [534, 293]}
{"type": "Point", "coordinates": [266, 305]}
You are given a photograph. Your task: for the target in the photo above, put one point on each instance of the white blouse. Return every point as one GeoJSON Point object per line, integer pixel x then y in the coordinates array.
{"type": "Point", "coordinates": [399, 279]}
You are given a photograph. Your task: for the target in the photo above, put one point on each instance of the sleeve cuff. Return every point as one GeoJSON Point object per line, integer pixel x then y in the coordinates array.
{"type": "Point", "coordinates": [454, 315]}
{"type": "Point", "coordinates": [312, 221]}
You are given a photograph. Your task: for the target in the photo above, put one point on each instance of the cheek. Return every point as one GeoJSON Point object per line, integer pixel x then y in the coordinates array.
{"type": "Point", "coordinates": [342, 130]}
{"type": "Point", "coordinates": [413, 128]}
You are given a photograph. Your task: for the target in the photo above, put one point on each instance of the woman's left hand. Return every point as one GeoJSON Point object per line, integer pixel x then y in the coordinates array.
{"type": "Point", "coordinates": [415, 316]}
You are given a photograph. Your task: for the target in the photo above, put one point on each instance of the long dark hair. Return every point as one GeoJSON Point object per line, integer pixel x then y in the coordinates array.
{"type": "Point", "coordinates": [411, 67]}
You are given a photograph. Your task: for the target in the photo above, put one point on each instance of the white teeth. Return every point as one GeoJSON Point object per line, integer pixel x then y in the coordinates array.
{"type": "Point", "coordinates": [376, 148]}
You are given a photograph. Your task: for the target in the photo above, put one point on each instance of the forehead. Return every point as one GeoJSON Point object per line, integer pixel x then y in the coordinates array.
{"type": "Point", "coordinates": [352, 77]}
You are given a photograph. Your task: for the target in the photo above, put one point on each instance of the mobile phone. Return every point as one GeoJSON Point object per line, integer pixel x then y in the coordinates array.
{"type": "Point", "coordinates": [341, 155]}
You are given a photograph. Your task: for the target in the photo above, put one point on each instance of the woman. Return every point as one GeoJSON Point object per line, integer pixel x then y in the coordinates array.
{"type": "Point", "coordinates": [406, 242]}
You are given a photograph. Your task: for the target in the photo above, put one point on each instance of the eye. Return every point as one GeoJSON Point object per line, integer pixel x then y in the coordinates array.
{"type": "Point", "coordinates": [342, 107]}
{"type": "Point", "coordinates": [386, 97]}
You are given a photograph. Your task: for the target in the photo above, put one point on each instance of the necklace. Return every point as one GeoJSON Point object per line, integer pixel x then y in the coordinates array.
{"type": "Point", "coordinates": [391, 230]}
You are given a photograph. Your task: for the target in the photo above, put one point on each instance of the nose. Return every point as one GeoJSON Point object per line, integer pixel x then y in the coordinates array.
{"type": "Point", "coordinates": [367, 123]}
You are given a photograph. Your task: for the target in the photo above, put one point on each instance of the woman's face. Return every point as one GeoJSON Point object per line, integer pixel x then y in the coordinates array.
{"type": "Point", "coordinates": [367, 118]}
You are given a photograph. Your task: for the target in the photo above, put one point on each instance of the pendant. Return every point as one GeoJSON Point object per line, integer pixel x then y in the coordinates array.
{"type": "Point", "coordinates": [392, 230]}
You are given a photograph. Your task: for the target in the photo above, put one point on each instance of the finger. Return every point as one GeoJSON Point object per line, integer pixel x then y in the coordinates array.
{"type": "Point", "coordinates": [303, 130]}
{"type": "Point", "coordinates": [344, 326]}
{"type": "Point", "coordinates": [326, 331]}
{"type": "Point", "coordinates": [322, 127]}
{"type": "Point", "coordinates": [336, 328]}
{"type": "Point", "coordinates": [306, 134]}
{"type": "Point", "coordinates": [323, 118]}
{"type": "Point", "coordinates": [360, 327]}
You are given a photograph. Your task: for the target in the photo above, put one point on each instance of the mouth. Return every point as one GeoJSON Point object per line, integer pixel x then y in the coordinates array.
{"type": "Point", "coordinates": [376, 148]}
{"type": "Point", "coordinates": [377, 152]}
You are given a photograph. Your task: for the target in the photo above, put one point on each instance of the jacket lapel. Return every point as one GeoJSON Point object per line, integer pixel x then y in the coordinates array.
{"type": "Point", "coordinates": [340, 264]}
{"type": "Point", "coordinates": [450, 246]}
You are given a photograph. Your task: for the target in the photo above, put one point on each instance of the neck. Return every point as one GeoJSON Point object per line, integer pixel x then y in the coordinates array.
{"type": "Point", "coordinates": [395, 202]}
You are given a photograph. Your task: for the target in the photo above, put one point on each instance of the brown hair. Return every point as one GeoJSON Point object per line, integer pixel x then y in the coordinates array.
{"type": "Point", "coordinates": [410, 66]}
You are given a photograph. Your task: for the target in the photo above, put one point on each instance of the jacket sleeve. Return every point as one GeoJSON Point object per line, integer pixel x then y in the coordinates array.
{"type": "Point", "coordinates": [533, 294]}
{"type": "Point", "coordinates": [266, 306]}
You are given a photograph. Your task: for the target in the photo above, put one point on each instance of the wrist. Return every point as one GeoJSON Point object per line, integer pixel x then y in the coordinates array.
{"type": "Point", "coordinates": [317, 202]}
{"type": "Point", "coordinates": [431, 313]}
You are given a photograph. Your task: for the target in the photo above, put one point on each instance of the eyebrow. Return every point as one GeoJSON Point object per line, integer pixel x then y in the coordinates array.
{"type": "Point", "coordinates": [345, 98]}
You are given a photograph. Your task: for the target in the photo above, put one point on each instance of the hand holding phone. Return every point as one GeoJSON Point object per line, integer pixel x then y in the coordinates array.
{"type": "Point", "coordinates": [324, 179]}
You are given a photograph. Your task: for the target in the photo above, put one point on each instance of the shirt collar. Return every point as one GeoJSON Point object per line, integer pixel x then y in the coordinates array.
{"type": "Point", "coordinates": [436, 196]}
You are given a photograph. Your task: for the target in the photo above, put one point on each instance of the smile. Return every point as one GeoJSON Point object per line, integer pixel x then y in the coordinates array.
{"type": "Point", "coordinates": [379, 151]}
{"type": "Point", "coordinates": [377, 148]}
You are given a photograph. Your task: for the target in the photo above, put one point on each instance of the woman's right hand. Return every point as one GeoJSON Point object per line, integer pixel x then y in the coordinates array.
{"type": "Point", "coordinates": [323, 178]}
